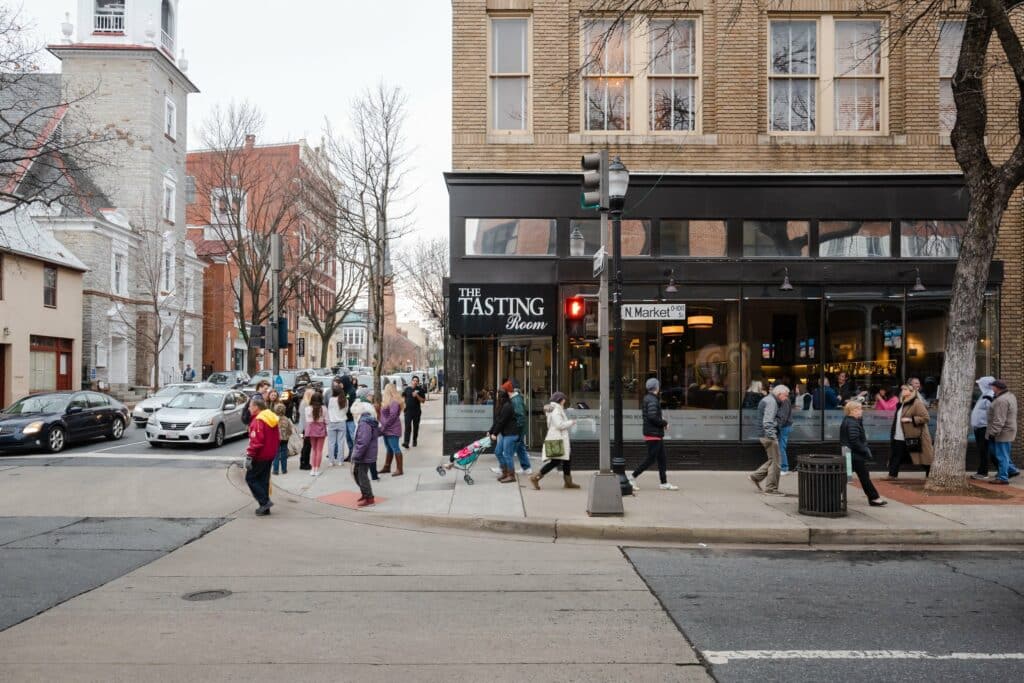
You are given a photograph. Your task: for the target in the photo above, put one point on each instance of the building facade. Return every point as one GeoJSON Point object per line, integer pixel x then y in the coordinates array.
{"type": "Point", "coordinates": [764, 148]}
{"type": "Point", "coordinates": [352, 348]}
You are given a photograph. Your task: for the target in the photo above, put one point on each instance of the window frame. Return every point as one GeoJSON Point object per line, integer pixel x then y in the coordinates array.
{"type": "Point", "coordinates": [118, 279]}
{"type": "Point", "coordinates": [171, 194]}
{"type": "Point", "coordinates": [943, 78]}
{"type": "Point", "coordinates": [647, 75]}
{"type": "Point", "coordinates": [47, 270]}
{"type": "Point", "coordinates": [170, 119]}
{"type": "Point", "coordinates": [882, 77]}
{"type": "Point", "coordinates": [493, 76]}
{"type": "Point", "coordinates": [816, 77]}
{"type": "Point", "coordinates": [167, 274]}
{"type": "Point", "coordinates": [629, 24]}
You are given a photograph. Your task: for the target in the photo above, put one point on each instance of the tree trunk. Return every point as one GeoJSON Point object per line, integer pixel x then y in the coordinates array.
{"type": "Point", "coordinates": [157, 335]}
{"type": "Point", "coordinates": [949, 470]}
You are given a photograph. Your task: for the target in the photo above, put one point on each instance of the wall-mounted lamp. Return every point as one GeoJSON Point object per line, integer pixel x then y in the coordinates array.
{"type": "Point", "coordinates": [785, 286]}
{"type": "Point", "coordinates": [671, 274]}
{"type": "Point", "coordinates": [577, 243]}
{"type": "Point", "coordinates": [918, 285]}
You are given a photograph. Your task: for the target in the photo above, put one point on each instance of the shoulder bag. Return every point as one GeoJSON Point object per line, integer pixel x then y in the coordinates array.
{"type": "Point", "coordinates": [554, 448]}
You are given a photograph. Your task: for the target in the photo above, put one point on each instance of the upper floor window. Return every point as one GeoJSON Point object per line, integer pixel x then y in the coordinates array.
{"type": "Point", "coordinates": [167, 270]}
{"type": "Point", "coordinates": [776, 238]}
{"type": "Point", "coordinates": [167, 211]}
{"type": "Point", "coordinates": [673, 80]}
{"type": "Point", "coordinates": [170, 119]}
{"type": "Point", "coordinates": [793, 76]}
{"type": "Point", "coordinates": [931, 238]}
{"type": "Point", "coordinates": [227, 207]}
{"type": "Point", "coordinates": [109, 16]}
{"type": "Point", "coordinates": [49, 286]}
{"type": "Point", "coordinates": [118, 274]}
{"type": "Point", "coordinates": [510, 73]}
{"type": "Point", "coordinates": [510, 237]}
{"type": "Point", "coordinates": [607, 76]}
{"type": "Point", "coordinates": [854, 239]}
{"type": "Point", "coordinates": [951, 35]}
{"type": "Point", "coordinates": [190, 189]}
{"type": "Point", "coordinates": [167, 28]}
{"type": "Point", "coordinates": [859, 79]}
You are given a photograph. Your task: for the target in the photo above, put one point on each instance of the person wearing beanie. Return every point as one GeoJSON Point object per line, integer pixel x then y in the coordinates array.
{"type": "Point", "coordinates": [654, 434]}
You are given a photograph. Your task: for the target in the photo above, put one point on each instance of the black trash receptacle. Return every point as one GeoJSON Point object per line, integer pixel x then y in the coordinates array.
{"type": "Point", "coordinates": [822, 484]}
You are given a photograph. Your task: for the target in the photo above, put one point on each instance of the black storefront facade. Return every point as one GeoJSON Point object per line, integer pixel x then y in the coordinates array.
{"type": "Point", "coordinates": [852, 247]}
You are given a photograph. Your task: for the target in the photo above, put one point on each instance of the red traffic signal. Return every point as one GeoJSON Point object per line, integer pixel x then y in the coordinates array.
{"type": "Point", "coordinates": [575, 308]}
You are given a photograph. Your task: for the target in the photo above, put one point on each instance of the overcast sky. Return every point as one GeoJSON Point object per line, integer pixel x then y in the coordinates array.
{"type": "Point", "coordinates": [304, 60]}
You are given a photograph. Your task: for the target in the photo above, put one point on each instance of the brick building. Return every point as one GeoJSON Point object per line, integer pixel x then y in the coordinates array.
{"type": "Point", "coordinates": [263, 176]}
{"type": "Point", "coordinates": [761, 145]}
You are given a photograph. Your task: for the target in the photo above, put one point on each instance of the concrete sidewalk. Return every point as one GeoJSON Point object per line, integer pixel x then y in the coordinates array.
{"type": "Point", "coordinates": [710, 507]}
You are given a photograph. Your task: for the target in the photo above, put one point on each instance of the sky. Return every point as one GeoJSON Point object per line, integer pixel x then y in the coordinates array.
{"type": "Point", "coordinates": [305, 60]}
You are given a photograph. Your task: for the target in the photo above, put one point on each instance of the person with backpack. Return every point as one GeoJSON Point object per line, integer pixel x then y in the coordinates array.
{"type": "Point", "coordinates": [1002, 430]}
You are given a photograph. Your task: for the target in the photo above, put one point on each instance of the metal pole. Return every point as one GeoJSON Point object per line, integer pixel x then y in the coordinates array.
{"type": "Point", "coordinates": [604, 438]}
{"type": "Point", "coordinates": [618, 460]}
{"type": "Point", "coordinates": [276, 265]}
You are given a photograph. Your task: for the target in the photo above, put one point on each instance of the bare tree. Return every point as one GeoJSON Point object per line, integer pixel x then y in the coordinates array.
{"type": "Point", "coordinates": [370, 163]}
{"type": "Point", "coordinates": [991, 50]}
{"type": "Point", "coordinates": [326, 310]}
{"type": "Point", "coordinates": [423, 270]}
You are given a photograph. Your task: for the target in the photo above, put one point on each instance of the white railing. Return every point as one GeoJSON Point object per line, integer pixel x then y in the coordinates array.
{"type": "Point", "coordinates": [167, 41]}
{"type": "Point", "coordinates": [108, 21]}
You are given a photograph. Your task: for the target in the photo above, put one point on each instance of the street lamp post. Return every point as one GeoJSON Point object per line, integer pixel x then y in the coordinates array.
{"type": "Point", "coordinates": [618, 183]}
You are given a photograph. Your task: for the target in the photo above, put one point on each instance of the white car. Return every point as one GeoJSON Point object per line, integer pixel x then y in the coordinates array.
{"type": "Point", "coordinates": [145, 408]}
{"type": "Point", "coordinates": [206, 416]}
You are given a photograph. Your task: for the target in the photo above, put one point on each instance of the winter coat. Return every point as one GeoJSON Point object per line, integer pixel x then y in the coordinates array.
{"type": "Point", "coordinates": [784, 416]}
{"type": "Point", "coordinates": [853, 436]}
{"type": "Point", "coordinates": [1002, 418]}
{"type": "Point", "coordinates": [979, 416]}
{"type": "Point", "coordinates": [505, 422]}
{"type": "Point", "coordinates": [263, 436]}
{"type": "Point", "coordinates": [336, 415]}
{"type": "Point", "coordinates": [391, 419]}
{"type": "Point", "coordinates": [916, 428]}
{"type": "Point", "coordinates": [364, 448]}
{"type": "Point", "coordinates": [519, 406]}
{"type": "Point", "coordinates": [654, 424]}
{"type": "Point", "coordinates": [886, 404]}
{"type": "Point", "coordinates": [767, 412]}
{"type": "Point", "coordinates": [285, 427]}
{"type": "Point", "coordinates": [301, 425]}
{"type": "Point", "coordinates": [558, 428]}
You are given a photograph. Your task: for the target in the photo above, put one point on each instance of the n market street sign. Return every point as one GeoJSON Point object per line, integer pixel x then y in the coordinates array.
{"type": "Point", "coordinates": [653, 311]}
{"type": "Point", "coordinates": [503, 310]}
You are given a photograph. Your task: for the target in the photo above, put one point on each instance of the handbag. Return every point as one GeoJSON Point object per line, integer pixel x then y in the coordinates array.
{"type": "Point", "coordinates": [913, 444]}
{"type": "Point", "coordinates": [555, 448]}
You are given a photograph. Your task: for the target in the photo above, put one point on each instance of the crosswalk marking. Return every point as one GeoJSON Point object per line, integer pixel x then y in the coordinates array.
{"type": "Point", "coordinates": [725, 656]}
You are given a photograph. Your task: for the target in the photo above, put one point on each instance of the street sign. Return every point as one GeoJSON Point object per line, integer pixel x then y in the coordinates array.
{"type": "Point", "coordinates": [278, 383]}
{"type": "Point", "coordinates": [653, 311]}
{"type": "Point", "coordinates": [599, 259]}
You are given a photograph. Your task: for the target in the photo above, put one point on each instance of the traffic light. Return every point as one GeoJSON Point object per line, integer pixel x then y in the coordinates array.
{"type": "Point", "coordinates": [282, 333]}
{"type": "Point", "coordinates": [595, 180]}
{"type": "Point", "coordinates": [575, 314]}
{"type": "Point", "coordinates": [258, 337]}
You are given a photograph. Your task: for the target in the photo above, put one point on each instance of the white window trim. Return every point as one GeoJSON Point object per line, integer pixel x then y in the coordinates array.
{"type": "Point", "coordinates": [114, 284]}
{"type": "Point", "coordinates": [215, 216]}
{"type": "Point", "coordinates": [492, 76]}
{"type": "Point", "coordinates": [825, 124]}
{"type": "Point", "coordinates": [643, 77]}
{"type": "Point", "coordinates": [171, 190]}
{"type": "Point", "coordinates": [943, 77]}
{"type": "Point", "coordinates": [170, 119]}
{"type": "Point", "coordinates": [632, 129]}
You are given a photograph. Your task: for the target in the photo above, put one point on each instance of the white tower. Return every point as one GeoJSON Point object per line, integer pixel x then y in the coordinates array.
{"type": "Point", "coordinates": [152, 23]}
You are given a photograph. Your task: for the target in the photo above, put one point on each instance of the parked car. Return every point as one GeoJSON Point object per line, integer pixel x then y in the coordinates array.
{"type": "Point", "coordinates": [322, 375]}
{"type": "Point", "coordinates": [231, 379]}
{"type": "Point", "coordinates": [143, 409]}
{"type": "Point", "coordinates": [53, 420]}
{"type": "Point", "coordinates": [204, 416]}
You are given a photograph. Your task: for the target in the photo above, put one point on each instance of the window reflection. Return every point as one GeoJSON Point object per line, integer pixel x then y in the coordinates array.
{"type": "Point", "coordinates": [636, 236]}
{"type": "Point", "coordinates": [510, 236]}
{"type": "Point", "coordinates": [693, 238]}
{"type": "Point", "coordinates": [776, 238]}
{"type": "Point", "coordinates": [469, 384]}
{"type": "Point", "coordinates": [854, 239]}
{"type": "Point", "coordinates": [931, 239]}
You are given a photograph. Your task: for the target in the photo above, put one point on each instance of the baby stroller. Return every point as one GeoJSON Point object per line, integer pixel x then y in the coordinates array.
{"type": "Point", "coordinates": [465, 458]}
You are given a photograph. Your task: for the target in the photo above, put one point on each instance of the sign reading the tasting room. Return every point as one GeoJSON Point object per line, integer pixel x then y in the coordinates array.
{"type": "Point", "coordinates": [484, 310]}
{"type": "Point", "coordinates": [653, 311]}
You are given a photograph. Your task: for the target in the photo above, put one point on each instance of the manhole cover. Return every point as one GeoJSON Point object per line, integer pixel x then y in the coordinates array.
{"type": "Point", "coordinates": [200, 596]}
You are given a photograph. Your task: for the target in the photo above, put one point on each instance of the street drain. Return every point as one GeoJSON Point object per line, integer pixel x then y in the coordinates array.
{"type": "Point", "coordinates": [200, 596]}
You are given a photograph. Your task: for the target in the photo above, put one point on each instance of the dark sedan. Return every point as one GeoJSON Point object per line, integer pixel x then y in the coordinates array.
{"type": "Point", "coordinates": [52, 421]}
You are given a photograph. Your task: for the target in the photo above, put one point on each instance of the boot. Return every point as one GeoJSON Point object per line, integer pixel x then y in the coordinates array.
{"type": "Point", "coordinates": [508, 476]}
{"type": "Point", "coordinates": [398, 465]}
{"type": "Point", "coordinates": [387, 465]}
{"type": "Point", "coordinates": [568, 482]}
{"type": "Point", "coordinates": [535, 479]}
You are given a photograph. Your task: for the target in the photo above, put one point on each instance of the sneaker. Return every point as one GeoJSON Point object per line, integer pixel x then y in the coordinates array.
{"type": "Point", "coordinates": [785, 472]}
{"type": "Point", "coordinates": [1015, 473]}
{"type": "Point", "coordinates": [774, 493]}
{"type": "Point", "coordinates": [979, 477]}
{"type": "Point", "coordinates": [632, 482]}
{"type": "Point", "coordinates": [668, 487]}
{"type": "Point", "coordinates": [528, 470]}
{"type": "Point", "coordinates": [262, 511]}
{"type": "Point", "coordinates": [1000, 482]}
{"type": "Point", "coordinates": [496, 470]}
{"type": "Point", "coordinates": [757, 484]}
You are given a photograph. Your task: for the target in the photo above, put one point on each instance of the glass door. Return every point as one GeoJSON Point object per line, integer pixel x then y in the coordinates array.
{"type": "Point", "coordinates": [528, 361]}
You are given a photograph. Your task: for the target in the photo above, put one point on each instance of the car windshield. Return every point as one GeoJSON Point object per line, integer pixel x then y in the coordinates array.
{"type": "Point", "coordinates": [39, 404]}
{"type": "Point", "coordinates": [196, 400]}
{"type": "Point", "coordinates": [169, 392]}
{"type": "Point", "coordinates": [218, 378]}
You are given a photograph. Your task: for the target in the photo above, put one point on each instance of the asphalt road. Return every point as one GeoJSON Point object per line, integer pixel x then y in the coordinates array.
{"type": "Point", "coordinates": [845, 616]}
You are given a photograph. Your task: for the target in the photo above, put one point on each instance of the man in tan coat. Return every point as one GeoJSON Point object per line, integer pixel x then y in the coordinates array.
{"type": "Point", "coordinates": [1002, 430]}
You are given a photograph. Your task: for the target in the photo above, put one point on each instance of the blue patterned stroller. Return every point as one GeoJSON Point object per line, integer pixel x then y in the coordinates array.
{"type": "Point", "coordinates": [465, 458]}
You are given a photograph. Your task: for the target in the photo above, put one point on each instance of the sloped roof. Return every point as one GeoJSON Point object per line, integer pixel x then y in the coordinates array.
{"type": "Point", "coordinates": [21, 234]}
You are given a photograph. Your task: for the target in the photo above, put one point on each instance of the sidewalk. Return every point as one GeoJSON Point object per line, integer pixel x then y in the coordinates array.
{"type": "Point", "coordinates": [710, 507]}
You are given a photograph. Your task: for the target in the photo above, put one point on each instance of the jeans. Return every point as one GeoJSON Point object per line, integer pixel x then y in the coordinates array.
{"type": "Point", "coordinates": [281, 461]}
{"type": "Point", "coordinates": [506, 452]}
{"type": "Point", "coordinates": [1006, 466]}
{"type": "Point", "coordinates": [350, 436]}
{"type": "Point", "coordinates": [361, 473]}
{"type": "Point", "coordinates": [655, 451]}
{"type": "Point", "coordinates": [391, 445]}
{"type": "Point", "coordinates": [335, 450]}
{"type": "Point", "coordinates": [258, 479]}
{"type": "Point", "coordinates": [783, 443]}
{"type": "Point", "coordinates": [769, 472]}
{"type": "Point", "coordinates": [986, 452]}
{"type": "Point", "coordinates": [412, 426]}
{"type": "Point", "coordinates": [524, 457]}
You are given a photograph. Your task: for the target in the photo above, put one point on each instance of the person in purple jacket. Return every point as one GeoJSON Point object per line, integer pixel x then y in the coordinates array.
{"type": "Point", "coordinates": [391, 429]}
{"type": "Point", "coordinates": [364, 450]}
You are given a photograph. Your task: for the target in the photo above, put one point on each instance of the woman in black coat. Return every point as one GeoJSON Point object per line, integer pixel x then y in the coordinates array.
{"type": "Point", "coordinates": [853, 436]}
{"type": "Point", "coordinates": [507, 428]}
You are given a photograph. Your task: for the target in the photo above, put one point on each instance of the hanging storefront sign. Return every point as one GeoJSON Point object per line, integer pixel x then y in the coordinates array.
{"type": "Point", "coordinates": [653, 311]}
{"type": "Point", "coordinates": [502, 310]}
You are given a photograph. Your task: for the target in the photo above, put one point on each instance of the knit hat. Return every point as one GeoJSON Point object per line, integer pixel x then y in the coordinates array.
{"type": "Point", "coordinates": [1000, 385]}
{"type": "Point", "coordinates": [558, 397]}
{"type": "Point", "coordinates": [508, 386]}
{"type": "Point", "coordinates": [363, 393]}
{"type": "Point", "coordinates": [653, 384]}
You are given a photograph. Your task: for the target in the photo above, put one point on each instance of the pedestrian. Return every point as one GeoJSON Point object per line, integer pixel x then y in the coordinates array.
{"type": "Point", "coordinates": [505, 426]}
{"type": "Point", "coordinates": [1002, 430]}
{"type": "Point", "coordinates": [316, 430]}
{"type": "Point", "coordinates": [768, 411]}
{"type": "Point", "coordinates": [349, 386]}
{"type": "Point", "coordinates": [884, 402]}
{"type": "Point", "coordinates": [909, 435]}
{"type": "Point", "coordinates": [979, 423]}
{"type": "Point", "coordinates": [853, 436]}
{"type": "Point", "coordinates": [337, 416]}
{"type": "Point", "coordinates": [307, 399]}
{"type": "Point", "coordinates": [654, 434]}
{"type": "Point", "coordinates": [556, 442]}
{"type": "Point", "coordinates": [285, 427]}
{"type": "Point", "coordinates": [261, 452]}
{"type": "Point", "coordinates": [365, 451]}
{"type": "Point", "coordinates": [523, 422]}
{"type": "Point", "coordinates": [785, 419]}
{"type": "Point", "coordinates": [273, 397]}
{"type": "Point", "coordinates": [364, 395]}
{"type": "Point", "coordinates": [189, 375]}
{"type": "Point", "coordinates": [414, 395]}
{"type": "Point", "coordinates": [262, 389]}
{"type": "Point", "coordinates": [391, 429]}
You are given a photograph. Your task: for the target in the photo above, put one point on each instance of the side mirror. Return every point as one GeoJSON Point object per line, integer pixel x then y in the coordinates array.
{"type": "Point", "coordinates": [73, 410]}
{"type": "Point", "coordinates": [229, 406]}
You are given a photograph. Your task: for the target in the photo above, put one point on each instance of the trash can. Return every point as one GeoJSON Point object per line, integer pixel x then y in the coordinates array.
{"type": "Point", "coordinates": [822, 485]}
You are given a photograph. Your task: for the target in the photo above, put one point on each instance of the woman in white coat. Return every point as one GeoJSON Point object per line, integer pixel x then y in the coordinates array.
{"type": "Point", "coordinates": [556, 443]}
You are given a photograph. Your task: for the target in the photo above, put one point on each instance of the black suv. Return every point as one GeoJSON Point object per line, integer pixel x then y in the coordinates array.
{"type": "Point", "coordinates": [295, 383]}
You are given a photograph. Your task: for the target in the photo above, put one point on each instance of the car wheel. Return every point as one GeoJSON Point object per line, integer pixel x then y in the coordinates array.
{"type": "Point", "coordinates": [116, 430]}
{"type": "Point", "coordinates": [218, 437]}
{"type": "Point", "coordinates": [56, 440]}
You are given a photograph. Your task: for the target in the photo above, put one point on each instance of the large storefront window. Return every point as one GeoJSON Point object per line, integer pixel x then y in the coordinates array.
{"type": "Point", "coordinates": [470, 377]}
{"type": "Point", "coordinates": [636, 236]}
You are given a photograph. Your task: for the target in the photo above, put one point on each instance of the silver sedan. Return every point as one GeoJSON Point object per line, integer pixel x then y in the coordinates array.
{"type": "Point", "coordinates": [206, 416]}
{"type": "Point", "coordinates": [146, 407]}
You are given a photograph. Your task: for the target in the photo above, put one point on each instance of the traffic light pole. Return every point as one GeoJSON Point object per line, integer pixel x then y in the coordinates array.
{"type": "Point", "coordinates": [276, 266]}
{"type": "Point", "coordinates": [617, 457]}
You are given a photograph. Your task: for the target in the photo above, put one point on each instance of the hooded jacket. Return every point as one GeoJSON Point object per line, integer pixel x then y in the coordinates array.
{"type": "Point", "coordinates": [364, 449]}
{"type": "Point", "coordinates": [558, 428]}
{"type": "Point", "coordinates": [390, 419]}
{"type": "Point", "coordinates": [264, 438]}
{"type": "Point", "coordinates": [979, 416]}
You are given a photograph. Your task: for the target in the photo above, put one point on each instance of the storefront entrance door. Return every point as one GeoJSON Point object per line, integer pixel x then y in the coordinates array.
{"type": "Point", "coordinates": [528, 361]}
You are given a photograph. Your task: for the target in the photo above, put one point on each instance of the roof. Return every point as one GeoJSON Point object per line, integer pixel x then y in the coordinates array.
{"type": "Point", "coordinates": [32, 111]}
{"type": "Point", "coordinates": [355, 318]}
{"type": "Point", "coordinates": [21, 234]}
